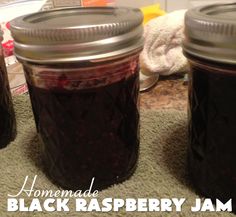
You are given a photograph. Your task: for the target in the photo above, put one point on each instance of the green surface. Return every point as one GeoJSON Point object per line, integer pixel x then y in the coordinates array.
{"type": "Point", "coordinates": [161, 171]}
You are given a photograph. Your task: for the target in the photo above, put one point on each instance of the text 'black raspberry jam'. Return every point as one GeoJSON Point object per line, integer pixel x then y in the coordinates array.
{"type": "Point", "coordinates": [84, 84]}
{"type": "Point", "coordinates": [209, 46]}
{"type": "Point", "coordinates": [7, 115]}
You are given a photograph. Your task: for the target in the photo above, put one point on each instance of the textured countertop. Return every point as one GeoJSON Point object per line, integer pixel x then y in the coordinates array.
{"type": "Point", "coordinates": [169, 93]}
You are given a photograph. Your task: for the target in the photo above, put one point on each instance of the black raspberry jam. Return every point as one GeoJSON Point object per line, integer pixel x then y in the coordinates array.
{"type": "Point", "coordinates": [88, 121]}
{"type": "Point", "coordinates": [212, 127]}
{"type": "Point", "coordinates": [7, 115]}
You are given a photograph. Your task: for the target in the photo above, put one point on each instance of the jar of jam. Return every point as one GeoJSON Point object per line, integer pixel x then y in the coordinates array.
{"type": "Point", "coordinates": [210, 47]}
{"type": "Point", "coordinates": [7, 115]}
{"type": "Point", "coordinates": [82, 70]}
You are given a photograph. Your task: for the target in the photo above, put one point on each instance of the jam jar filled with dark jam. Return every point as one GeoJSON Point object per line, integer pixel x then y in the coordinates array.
{"type": "Point", "coordinates": [82, 70]}
{"type": "Point", "coordinates": [7, 115]}
{"type": "Point", "coordinates": [210, 48]}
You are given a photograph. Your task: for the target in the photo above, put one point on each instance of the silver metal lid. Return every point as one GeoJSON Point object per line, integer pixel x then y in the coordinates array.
{"type": "Point", "coordinates": [78, 34]}
{"type": "Point", "coordinates": [211, 32]}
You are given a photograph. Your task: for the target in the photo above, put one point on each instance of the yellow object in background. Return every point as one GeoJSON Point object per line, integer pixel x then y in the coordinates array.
{"type": "Point", "coordinates": [151, 11]}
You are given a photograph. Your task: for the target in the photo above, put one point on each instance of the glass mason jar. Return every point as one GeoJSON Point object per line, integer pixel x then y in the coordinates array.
{"type": "Point", "coordinates": [210, 48]}
{"type": "Point", "coordinates": [82, 70]}
{"type": "Point", "coordinates": [7, 115]}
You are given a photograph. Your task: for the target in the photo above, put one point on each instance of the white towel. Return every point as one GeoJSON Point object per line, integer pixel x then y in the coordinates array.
{"type": "Point", "coordinates": [162, 53]}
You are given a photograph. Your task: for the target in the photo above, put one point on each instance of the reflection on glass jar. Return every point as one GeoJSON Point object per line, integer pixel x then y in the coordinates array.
{"type": "Point", "coordinates": [85, 101]}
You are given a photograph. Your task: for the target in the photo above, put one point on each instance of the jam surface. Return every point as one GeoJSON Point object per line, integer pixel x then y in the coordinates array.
{"type": "Point", "coordinates": [7, 115]}
{"type": "Point", "coordinates": [88, 133]}
{"type": "Point", "coordinates": [212, 132]}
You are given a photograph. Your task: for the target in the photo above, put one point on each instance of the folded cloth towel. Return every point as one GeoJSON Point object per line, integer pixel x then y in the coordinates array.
{"type": "Point", "coordinates": [162, 51]}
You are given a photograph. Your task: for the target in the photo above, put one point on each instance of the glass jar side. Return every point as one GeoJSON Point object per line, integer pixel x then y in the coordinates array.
{"type": "Point", "coordinates": [76, 76]}
{"type": "Point", "coordinates": [212, 121]}
{"type": "Point", "coordinates": [88, 120]}
{"type": "Point", "coordinates": [7, 115]}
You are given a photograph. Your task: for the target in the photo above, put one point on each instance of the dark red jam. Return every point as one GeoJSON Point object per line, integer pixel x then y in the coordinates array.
{"type": "Point", "coordinates": [88, 129]}
{"type": "Point", "coordinates": [7, 115]}
{"type": "Point", "coordinates": [212, 130]}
